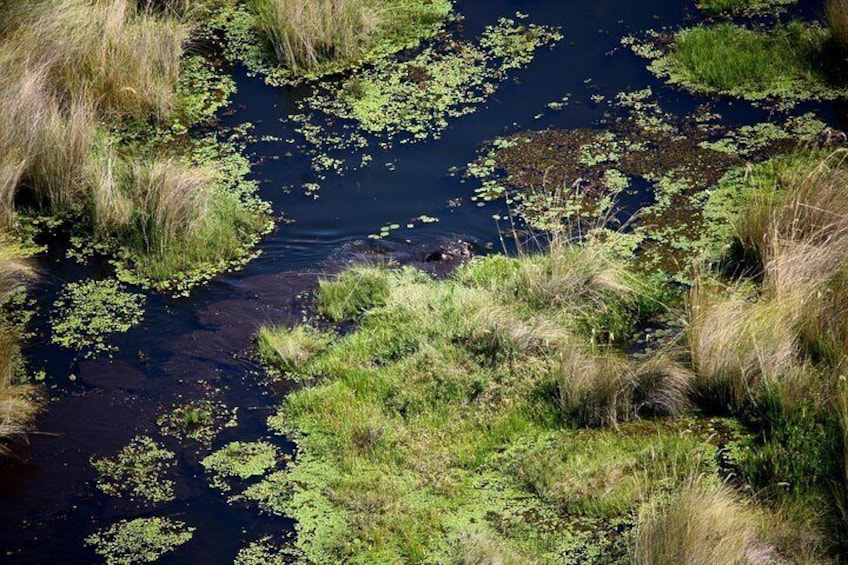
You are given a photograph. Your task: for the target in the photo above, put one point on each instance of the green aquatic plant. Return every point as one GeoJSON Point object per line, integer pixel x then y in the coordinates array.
{"type": "Point", "coordinates": [788, 63]}
{"type": "Point", "coordinates": [138, 471]}
{"type": "Point", "coordinates": [744, 7]}
{"type": "Point", "coordinates": [263, 552]}
{"type": "Point", "coordinates": [143, 540]}
{"type": "Point", "coordinates": [87, 313]}
{"type": "Point", "coordinates": [199, 420]}
{"type": "Point", "coordinates": [18, 400]}
{"type": "Point", "coordinates": [240, 460]}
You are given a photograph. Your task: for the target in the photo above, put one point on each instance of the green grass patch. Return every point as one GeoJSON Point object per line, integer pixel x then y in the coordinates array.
{"type": "Point", "coordinates": [435, 432]}
{"type": "Point", "coordinates": [788, 62]}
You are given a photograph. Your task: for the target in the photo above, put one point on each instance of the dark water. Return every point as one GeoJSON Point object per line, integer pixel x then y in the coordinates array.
{"type": "Point", "coordinates": [48, 504]}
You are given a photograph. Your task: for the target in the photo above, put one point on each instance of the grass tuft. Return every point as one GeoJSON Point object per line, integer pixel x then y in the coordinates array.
{"type": "Point", "coordinates": [308, 34]}
{"type": "Point", "coordinates": [702, 523]}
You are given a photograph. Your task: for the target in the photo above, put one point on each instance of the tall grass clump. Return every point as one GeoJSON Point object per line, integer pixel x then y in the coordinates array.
{"type": "Point", "coordinates": [123, 60]}
{"type": "Point", "coordinates": [171, 218]}
{"type": "Point", "coordinates": [308, 34]}
{"type": "Point", "coordinates": [743, 334]}
{"type": "Point", "coordinates": [46, 146]}
{"type": "Point", "coordinates": [836, 12]}
{"type": "Point", "coordinates": [704, 522]}
{"type": "Point", "coordinates": [606, 388]}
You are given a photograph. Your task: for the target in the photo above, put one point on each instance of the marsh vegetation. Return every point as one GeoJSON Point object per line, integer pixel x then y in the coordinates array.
{"type": "Point", "coordinates": [667, 387]}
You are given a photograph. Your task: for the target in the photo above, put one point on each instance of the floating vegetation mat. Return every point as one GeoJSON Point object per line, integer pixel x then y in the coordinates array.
{"type": "Point", "coordinates": [143, 540]}
{"type": "Point", "coordinates": [200, 420]}
{"type": "Point", "coordinates": [88, 312]}
{"type": "Point", "coordinates": [404, 100]}
{"type": "Point", "coordinates": [581, 177]}
{"type": "Point", "coordinates": [138, 472]}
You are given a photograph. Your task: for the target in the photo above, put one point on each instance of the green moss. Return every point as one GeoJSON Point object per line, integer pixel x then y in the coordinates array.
{"type": "Point", "coordinates": [239, 460]}
{"type": "Point", "coordinates": [87, 313]}
{"type": "Point", "coordinates": [143, 540]}
{"type": "Point", "coordinates": [138, 471]}
{"type": "Point", "coordinates": [200, 420]}
{"type": "Point", "coordinates": [788, 63]}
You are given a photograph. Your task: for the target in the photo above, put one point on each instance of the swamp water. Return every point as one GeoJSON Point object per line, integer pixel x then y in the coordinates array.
{"type": "Point", "coordinates": [199, 347]}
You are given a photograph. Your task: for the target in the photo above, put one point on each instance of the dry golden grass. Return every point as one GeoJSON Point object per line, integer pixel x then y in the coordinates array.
{"type": "Point", "coordinates": [154, 202]}
{"type": "Point", "coordinates": [122, 60]}
{"type": "Point", "coordinates": [741, 339]}
{"type": "Point", "coordinates": [606, 388]}
{"type": "Point", "coordinates": [45, 147]}
{"type": "Point", "coordinates": [307, 34]}
{"type": "Point", "coordinates": [702, 523]}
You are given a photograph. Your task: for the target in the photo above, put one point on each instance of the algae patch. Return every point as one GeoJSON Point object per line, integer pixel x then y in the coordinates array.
{"type": "Point", "coordinates": [143, 540]}
{"type": "Point", "coordinates": [87, 313]}
{"type": "Point", "coordinates": [404, 100]}
{"type": "Point", "coordinates": [138, 472]}
{"type": "Point", "coordinates": [199, 420]}
{"type": "Point", "coordinates": [239, 461]}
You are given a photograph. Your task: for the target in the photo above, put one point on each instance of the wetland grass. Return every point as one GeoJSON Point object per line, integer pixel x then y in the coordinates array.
{"type": "Point", "coordinates": [836, 12]}
{"type": "Point", "coordinates": [703, 522]}
{"type": "Point", "coordinates": [18, 404]}
{"type": "Point", "coordinates": [308, 34]}
{"type": "Point", "coordinates": [442, 433]}
{"type": "Point", "coordinates": [122, 60]}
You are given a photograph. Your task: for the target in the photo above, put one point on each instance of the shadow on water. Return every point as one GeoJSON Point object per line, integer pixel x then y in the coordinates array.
{"type": "Point", "coordinates": [48, 504]}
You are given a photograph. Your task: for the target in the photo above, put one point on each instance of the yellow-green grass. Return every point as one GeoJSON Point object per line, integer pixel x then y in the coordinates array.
{"type": "Point", "coordinates": [836, 12]}
{"type": "Point", "coordinates": [773, 348]}
{"type": "Point", "coordinates": [703, 522]}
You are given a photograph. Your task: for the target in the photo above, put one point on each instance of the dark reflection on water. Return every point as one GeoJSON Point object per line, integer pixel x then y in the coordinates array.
{"type": "Point", "coordinates": [49, 504]}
